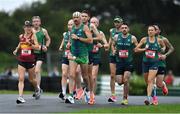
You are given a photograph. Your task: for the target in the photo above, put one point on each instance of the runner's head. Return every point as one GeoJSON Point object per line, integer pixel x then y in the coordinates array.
{"type": "Point", "coordinates": [77, 18]}
{"type": "Point", "coordinates": [85, 16]}
{"type": "Point", "coordinates": [151, 31]}
{"type": "Point", "coordinates": [118, 21]}
{"type": "Point", "coordinates": [158, 30]}
{"type": "Point", "coordinates": [95, 21]}
{"type": "Point", "coordinates": [70, 24]}
{"type": "Point", "coordinates": [124, 28]}
{"type": "Point", "coordinates": [36, 21]}
{"type": "Point", "coordinates": [27, 27]}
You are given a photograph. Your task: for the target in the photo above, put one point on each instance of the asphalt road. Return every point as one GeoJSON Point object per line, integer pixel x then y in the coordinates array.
{"type": "Point", "coordinates": [51, 103]}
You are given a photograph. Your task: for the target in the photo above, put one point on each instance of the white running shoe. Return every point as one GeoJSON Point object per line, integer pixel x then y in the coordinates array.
{"type": "Point", "coordinates": [69, 100]}
{"type": "Point", "coordinates": [20, 100]}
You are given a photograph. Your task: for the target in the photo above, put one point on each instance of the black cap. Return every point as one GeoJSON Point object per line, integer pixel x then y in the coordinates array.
{"type": "Point", "coordinates": [27, 24]}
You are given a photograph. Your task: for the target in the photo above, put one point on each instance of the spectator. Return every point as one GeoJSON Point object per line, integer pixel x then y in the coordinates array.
{"type": "Point", "coordinates": [169, 78]}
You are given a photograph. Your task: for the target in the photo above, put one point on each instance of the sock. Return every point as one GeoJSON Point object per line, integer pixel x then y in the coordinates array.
{"type": "Point", "coordinates": [149, 98]}
{"type": "Point", "coordinates": [154, 91]}
{"type": "Point", "coordinates": [64, 89]}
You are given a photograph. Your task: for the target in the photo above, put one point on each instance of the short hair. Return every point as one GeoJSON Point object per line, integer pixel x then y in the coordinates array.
{"type": "Point", "coordinates": [124, 23]}
{"type": "Point", "coordinates": [87, 12]}
{"type": "Point", "coordinates": [152, 26]}
{"type": "Point", "coordinates": [36, 17]}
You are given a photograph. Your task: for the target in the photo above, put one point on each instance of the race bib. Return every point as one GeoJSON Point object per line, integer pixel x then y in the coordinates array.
{"type": "Point", "coordinates": [95, 49]}
{"type": "Point", "coordinates": [67, 52]}
{"type": "Point", "coordinates": [123, 53]}
{"type": "Point", "coordinates": [25, 52]}
{"type": "Point", "coordinates": [150, 54]}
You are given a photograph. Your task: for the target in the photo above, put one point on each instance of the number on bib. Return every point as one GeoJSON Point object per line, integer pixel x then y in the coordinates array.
{"type": "Point", "coordinates": [123, 53]}
{"type": "Point", "coordinates": [150, 54]}
{"type": "Point", "coordinates": [25, 52]}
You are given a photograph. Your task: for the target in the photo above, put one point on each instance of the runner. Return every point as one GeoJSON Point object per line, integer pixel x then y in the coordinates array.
{"type": "Point", "coordinates": [65, 62]}
{"type": "Point", "coordinates": [118, 21]}
{"type": "Point", "coordinates": [153, 45]}
{"type": "Point", "coordinates": [96, 55]}
{"type": "Point", "coordinates": [44, 40]}
{"type": "Point", "coordinates": [80, 37]}
{"type": "Point", "coordinates": [162, 67]}
{"type": "Point", "coordinates": [85, 19]}
{"type": "Point", "coordinates": [123, 46]}
{"type": "Point", "coordinates": [26, 60]}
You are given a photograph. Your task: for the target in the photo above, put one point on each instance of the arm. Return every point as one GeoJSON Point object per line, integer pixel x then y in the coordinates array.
{"type": "Point", "coordinates": [89, 38]}
{"type": "Point", "coordinates": [16, 50]}
{"type": "Point", "coordinates": [169, 46]}
{"type": "Point", "coordinates": [61, 45]}
{"type": "Point", "coordinates": [96, 32]}
{"type": "Point", "coordinates": [138, 47]}
{"type": "Point", "coordinates": [106, 45]}
{"type": "Point", "coordinates": [134, 40]}
{"type": "Point", "coordinates": [163, 47]}
{"type": "Point", "coordinates": [48, 39]}
{"type": "Point", "coordinates": [113, 47]}
{"type": "Point", "coordinates": [35, 46]}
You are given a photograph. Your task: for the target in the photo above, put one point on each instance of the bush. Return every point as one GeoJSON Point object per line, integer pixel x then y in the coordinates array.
{"type": "Point", "coordinates": [137, 85]}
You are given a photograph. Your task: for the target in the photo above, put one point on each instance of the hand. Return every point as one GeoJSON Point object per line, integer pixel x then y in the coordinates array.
{"type": "Point", "coordinates": [113, 52]}
{"type": "Point", "coordinates": [162, 57]}
{"type": "Point", "coordinates": [44, 48]}
{"type": "Point", "coordinates": [15, 52]}
{"type": "Point", "coordinates": [99, 45]}
{"type": "Point", "coordinates": [75, 37]}
{"type": "Point", "coordinates": [92, 26]}
{"type": "Point", "coordinates": [68, 45]}
{"type": "Point", "coordinates": [60, 49]}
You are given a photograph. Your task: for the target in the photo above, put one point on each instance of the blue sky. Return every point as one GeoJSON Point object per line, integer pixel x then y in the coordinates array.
{"type": "Point", "coordinates": [11, 5]}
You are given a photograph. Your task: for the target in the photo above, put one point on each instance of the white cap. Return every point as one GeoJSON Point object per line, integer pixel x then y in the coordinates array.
{"type": "Point", "coordinates": [76, 14]}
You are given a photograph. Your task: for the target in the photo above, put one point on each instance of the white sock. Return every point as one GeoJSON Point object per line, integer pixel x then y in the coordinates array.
{"type": "Point", "coordinates": [64, 89]}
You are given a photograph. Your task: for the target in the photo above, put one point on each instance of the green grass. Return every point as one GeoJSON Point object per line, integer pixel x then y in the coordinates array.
{"type": "Point", "coordinates": [162, 108]}
{"type": "Point", "coordinates": [25, 92]}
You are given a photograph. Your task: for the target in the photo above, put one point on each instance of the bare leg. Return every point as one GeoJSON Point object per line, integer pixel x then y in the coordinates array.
{"type": "Point", "coordinates": [21, 73]}
{"type": "Point", "coordinates": [113, 75]}
{"type": "Point", "coordinates": [32, 78]}
{"type": "Point", "coordinates": [95, 70]}
{"type": "Point", "coordinates": [126, 84]}
{"type": "Point", "coordinates": [38, 71]}
{"type": "Point", "coordinates": [65, 68]}
{"type": "Point", "coordinates": [73, 66]}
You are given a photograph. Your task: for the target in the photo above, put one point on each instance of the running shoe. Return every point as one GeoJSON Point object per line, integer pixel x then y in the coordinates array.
{"type": "Point", "coordinates": [112, 98]}
{"type": "Point", "coordinates": [37, 94]}
{"type": "Point", "coordinates": [69, 100]}
{"type": "Point", "coordinates": [20, 100]}
{"type": "Point", "coordinates": [164, 90]}
{"type": "Point", "coordinates": [86, 96]}
{"type": "Point", "coordinates": [124, 102]}
{"type": "Point", "coordinates": [79, 94]}
{"type": "Point", "coordinates": [62, 96]}
{"type": "Point", "coordinates": [33, 95]}
{"type": "Point", "coordinates": [92, 99]}
{"type": "Point", "coordinates": [154, 100]}
{"type": "Point", "coordinates": [74, 94]}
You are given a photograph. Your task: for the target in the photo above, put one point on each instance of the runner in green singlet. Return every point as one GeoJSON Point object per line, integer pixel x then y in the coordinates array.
{"type": "Point", "coordinates": [152, 46]}
{"type": "Point", "coordinates": [118, 21]}
{"type": "Point", "coordinates": [80, 37]}
{"type": "Point", "coordinates": [123, 47]}
{"type": "Point", "coordinates": [44, 40]}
